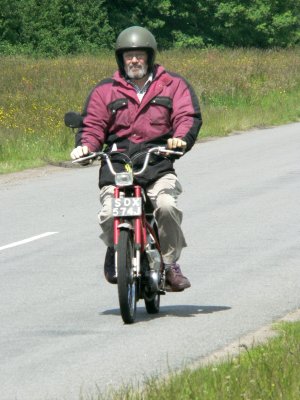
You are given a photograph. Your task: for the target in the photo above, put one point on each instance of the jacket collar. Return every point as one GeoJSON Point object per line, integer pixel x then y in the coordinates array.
{"type": "Point", "coordinates": [161, 78]}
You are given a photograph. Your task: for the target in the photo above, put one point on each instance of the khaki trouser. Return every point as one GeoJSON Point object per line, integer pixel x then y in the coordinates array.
{"type": "Point", "coordinates": [163, 194]}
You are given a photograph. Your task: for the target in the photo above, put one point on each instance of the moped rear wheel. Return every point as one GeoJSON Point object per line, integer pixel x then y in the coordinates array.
{"type": "Point", "coordinates": [127, 284]}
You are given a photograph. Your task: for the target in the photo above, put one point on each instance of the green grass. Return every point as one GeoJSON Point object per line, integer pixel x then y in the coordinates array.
{"type": "Point", "coordinates": [238, 89]}
{"type": "Point", "coordinates": [267, 372]}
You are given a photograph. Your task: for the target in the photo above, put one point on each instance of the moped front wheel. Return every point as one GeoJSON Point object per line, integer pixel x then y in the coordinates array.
{"type": "Point", "coordinates": [127, 284]}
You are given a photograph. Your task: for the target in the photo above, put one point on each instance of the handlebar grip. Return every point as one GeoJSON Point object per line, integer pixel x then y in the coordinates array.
{"type": "Point", "coordinates": [170, 151]}
{"type": "Point", "coordinates": [177, 153]}
{"type": "Point", "coordinates": [91, 156]}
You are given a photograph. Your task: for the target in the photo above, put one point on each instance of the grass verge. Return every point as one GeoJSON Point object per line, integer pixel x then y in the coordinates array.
{"type": "Point", "coordinates": [266, 372]}
{"type": "Point", "coordinates": [238, 89]}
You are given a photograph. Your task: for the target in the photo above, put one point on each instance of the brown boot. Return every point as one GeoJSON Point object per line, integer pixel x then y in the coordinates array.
{"type": "Point", "coordinates": [175, 280]}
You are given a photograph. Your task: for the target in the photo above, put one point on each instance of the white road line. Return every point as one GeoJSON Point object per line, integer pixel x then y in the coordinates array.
{"type": "Point", "coordinates": [31, 239]}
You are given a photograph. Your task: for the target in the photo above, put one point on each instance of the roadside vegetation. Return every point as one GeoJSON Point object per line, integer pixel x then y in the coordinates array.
{"type": "Point", "coordinates": [238, 89]}
{"type": "Point", "coordinates": [266, 372]}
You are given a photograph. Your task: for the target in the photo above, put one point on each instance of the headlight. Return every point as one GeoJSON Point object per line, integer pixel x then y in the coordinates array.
{"type": "Point", "coordinates": [124, 178]}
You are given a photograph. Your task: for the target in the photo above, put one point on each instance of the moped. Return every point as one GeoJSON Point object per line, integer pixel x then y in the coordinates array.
{"type": "Point", "coordinates": [138, 260]}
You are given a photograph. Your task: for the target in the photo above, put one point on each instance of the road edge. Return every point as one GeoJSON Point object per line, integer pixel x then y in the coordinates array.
{"type": "Point", "coordinates": [251, 339]}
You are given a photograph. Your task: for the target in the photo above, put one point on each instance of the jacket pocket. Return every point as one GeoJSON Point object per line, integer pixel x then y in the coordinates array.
{"type": "Point", "coordinates": [120, 116]}
{"type": "Point", "coordinates": [160, 109]}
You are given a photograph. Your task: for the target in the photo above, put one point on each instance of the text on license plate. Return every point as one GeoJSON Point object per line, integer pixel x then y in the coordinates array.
{"type": "Point", "coordinates": [127, 207]}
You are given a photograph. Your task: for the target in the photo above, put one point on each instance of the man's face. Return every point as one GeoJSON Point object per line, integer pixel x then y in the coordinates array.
{"type": "Point", "coordinates": [135, 63]}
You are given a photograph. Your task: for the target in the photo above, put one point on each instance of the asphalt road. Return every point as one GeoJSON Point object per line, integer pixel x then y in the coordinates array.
{"type": "Point", "coordinates": [61, 331]}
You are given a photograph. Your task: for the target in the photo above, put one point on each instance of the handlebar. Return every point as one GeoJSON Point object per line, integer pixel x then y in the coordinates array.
{"type": "Point", "coordinates": [100, 154]}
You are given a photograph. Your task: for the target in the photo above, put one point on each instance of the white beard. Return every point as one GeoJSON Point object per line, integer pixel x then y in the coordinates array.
{"type": "Point", "coordinates": [136, 71]}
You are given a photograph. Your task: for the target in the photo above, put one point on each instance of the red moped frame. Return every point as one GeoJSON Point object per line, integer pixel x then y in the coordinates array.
{"type": "Point", "coordinates": [139, 222]}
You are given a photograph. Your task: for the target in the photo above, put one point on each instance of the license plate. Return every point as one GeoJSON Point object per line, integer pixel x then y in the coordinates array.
{"type": "Point", "coordinates": [127, 207]}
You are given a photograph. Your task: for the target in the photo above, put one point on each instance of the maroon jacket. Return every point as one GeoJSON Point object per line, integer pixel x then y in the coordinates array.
{"type": "Point", "coordinates": [114, 115]}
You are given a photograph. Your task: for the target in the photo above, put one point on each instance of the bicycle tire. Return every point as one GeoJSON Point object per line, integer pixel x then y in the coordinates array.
{"type": "Point", "coordinates": [126, 281]}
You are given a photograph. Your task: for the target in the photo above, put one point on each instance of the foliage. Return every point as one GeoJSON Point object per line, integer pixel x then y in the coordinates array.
{"type": "Point", "coordinates": [10, 21]}
{"type": "Point", "coordinates": [72, 26]}
{"type": "Point", "coordinates": [260, 23]}
{"type": "Point", "coordinates": [56, 27]}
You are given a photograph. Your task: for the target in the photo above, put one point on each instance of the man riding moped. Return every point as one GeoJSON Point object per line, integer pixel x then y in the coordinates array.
{"type": "Point", "coordinates": [140, 107]}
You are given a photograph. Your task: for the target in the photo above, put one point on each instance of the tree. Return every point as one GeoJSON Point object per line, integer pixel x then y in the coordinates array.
{"type": "Point", "coordinates": [73, 26]}
{"type": "Point", "coordinates": [10, 21]}
{"type": "Point", "coordinates": [260, 23]}
{"type": "Point", "coordinates": [65, 26]}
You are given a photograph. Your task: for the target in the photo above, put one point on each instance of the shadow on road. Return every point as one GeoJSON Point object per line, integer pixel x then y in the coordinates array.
{"type": "Point", "coordinates": [171, 311]}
